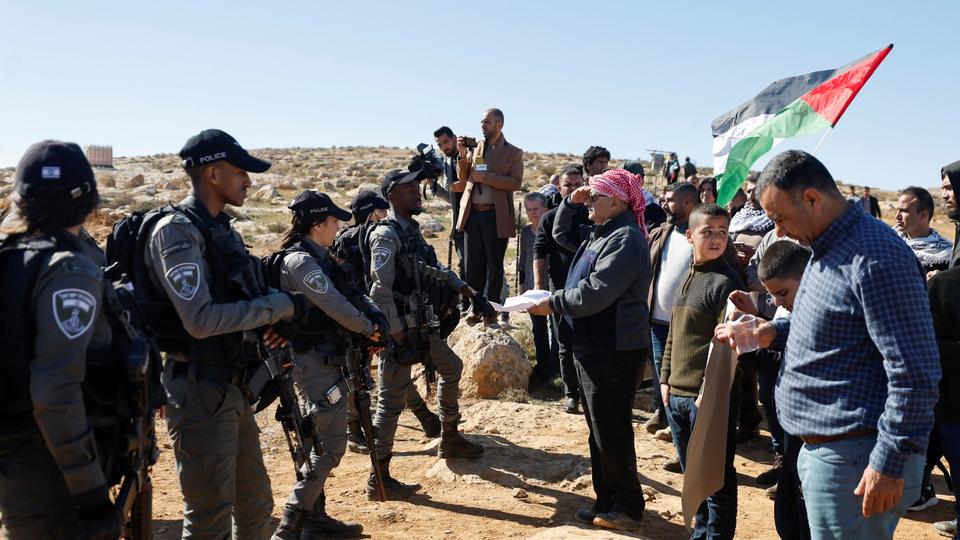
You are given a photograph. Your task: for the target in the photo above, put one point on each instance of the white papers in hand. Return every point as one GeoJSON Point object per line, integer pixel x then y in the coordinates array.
{"type": "Point", "coordinates": [521, 303]}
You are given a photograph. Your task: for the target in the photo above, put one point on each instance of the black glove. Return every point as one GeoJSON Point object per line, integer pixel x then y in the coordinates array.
{"type": "Point", "coordinates": [383, 325]}
{"type": "Point", "coordinates": [99, 518]}
{"type": "Point", "coordinates": [482, 306]}
{"type": "Point", "coordinates": [287, 329]}
{"type": "Point", "coordinates": [301, 307]}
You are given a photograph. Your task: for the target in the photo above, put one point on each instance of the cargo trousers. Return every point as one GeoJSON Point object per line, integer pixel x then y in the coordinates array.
{"type": "Point", "coordinates": [394, 382]}
{"type": "Point", "coordinates": [34, 499]}
{"type": "Point", "coordinates": [322, 388]}
{"type": "Point", "coordinates": [220, 468]}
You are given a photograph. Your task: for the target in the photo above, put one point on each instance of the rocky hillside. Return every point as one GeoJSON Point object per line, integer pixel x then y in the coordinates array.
{"type": "Point", "coordinates": [141, 182]}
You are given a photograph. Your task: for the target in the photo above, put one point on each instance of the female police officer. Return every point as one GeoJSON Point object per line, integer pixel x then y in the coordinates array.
{"type": "Point", "coordinates": [51, 305]}
{"type": "Point", "coordinates": [306, 266]}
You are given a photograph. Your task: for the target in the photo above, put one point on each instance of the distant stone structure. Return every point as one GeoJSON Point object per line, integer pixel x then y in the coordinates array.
{"type": "Point", "coordinates": [100, 156]}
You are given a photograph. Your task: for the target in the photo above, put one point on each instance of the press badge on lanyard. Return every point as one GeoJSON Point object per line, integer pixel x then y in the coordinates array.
{"type": "Point", "coordinates": [333, 394]}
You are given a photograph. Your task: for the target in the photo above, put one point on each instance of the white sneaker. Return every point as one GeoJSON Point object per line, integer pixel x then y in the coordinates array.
{"type": "Point", "coordinates": [927, 499]}
{"type": "Point", "coordinates": [664, 435]}
{"type": "Point", "coordinates": [946, 528]}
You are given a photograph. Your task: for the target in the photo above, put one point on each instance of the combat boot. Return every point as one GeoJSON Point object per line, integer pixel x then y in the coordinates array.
{"type": "Point", "coordinates": [321, 525]}
{"type": "Point", "coordinates": [393, 489]}
{"type": "Point", "coordinates": [428, 420]}
{"type": "Point", "coordinates": [291, 524]}
{"type": "Point", "coordinates": [356, 442]}
{"type": "Point", "coordinates": [453, 445]}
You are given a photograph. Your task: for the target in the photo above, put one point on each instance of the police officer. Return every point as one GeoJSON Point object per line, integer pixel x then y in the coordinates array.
{"type": "Point", "coordinates": [307, 267]}
{"type": "Point", "coordinates": [396, 245]}
{"type": "Point", "coordinates": [51, 483]}
{"type": "Point", "coordinates": [200, 266]}
{"type": "Point", "coordinates": [368, 206]}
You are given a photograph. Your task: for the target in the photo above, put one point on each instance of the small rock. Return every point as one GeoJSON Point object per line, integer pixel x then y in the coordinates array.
{"type": "Point", "coordinates": [520, 494]}
{"type": "Point", "coordinates": [136, 181]}
{"type": "Point", "coordinates": [266, 192]}
{"type": "Point", "coordinates": [429, 223]}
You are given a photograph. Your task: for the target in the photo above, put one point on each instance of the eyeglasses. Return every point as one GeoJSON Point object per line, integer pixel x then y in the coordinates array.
{"type": "Point", "coordinates": [594, 196]}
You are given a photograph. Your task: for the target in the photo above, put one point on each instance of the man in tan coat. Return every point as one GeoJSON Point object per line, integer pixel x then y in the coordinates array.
{"type": "Point", "coordinates": [488, 176]}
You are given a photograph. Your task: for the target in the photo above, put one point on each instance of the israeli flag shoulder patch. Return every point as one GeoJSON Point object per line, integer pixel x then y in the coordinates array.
{"type": "Point", "coordinates": [184, 278]}
{"type": "Point", "coordinates": [316, 281]}
{"type": "Point", "coordinates": [74, 311]}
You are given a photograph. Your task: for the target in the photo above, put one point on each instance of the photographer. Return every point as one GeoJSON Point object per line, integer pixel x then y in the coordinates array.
{"type": "Point", "coordinates": [452, 188]}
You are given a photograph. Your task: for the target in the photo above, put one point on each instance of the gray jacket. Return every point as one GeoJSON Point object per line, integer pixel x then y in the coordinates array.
{"type": "Point", "coordinates": [70, 320]}
{"type": "Point", "coordinates": [604, 301]}
{"type": "Point", "coordinates": [175, 254]}
{"type": "Point", "coordinates": [384, 247]}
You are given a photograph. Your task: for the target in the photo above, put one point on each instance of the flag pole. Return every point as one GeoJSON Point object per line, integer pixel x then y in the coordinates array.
{"type": "Point", "coordinates": [825, 133]}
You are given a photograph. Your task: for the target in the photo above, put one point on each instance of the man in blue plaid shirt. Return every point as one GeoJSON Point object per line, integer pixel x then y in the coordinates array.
{"type": "Point", "coordinates": [859, 380]}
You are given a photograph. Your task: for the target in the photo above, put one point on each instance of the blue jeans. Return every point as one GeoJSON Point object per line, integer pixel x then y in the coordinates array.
{"type": "Point", "coordinates": [768, 382]}
{"type": "Point", "coordinates": [717, 516]}
{"type": "Point", "coordinates": [950, 438]}
{"type": "Point", "coordinates": [658, 340]}
{"type": "Point", "coordinates": [828, 475]}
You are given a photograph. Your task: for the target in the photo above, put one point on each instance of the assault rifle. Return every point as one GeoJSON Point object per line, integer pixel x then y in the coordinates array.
{"type": "Point", "coordinates": [300, 428]}
{"type": "Point", "coordinates": [357, 373]}
{"type": "Point", "coordinates": [129, 442]}
{"type": "Point", "coordinates": [424, 328]}
{"type": "Point", "coordinates": [134, 499]}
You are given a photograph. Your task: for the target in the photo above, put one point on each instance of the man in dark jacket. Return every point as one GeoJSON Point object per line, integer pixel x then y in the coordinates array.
{"type": "Point", "coordinates": [870, 203]}
{"type": "Point", "coordinates": [944, 291]}
{"type": "Point", "coordinates": [604, 312]}
{"type": "Point", "coordinates": [552, 260]}
{"type": "Point", "coordinates": [950, 177]}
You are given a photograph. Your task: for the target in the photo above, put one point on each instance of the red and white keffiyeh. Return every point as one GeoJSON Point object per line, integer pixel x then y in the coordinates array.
{"type": "Point", "coordinates": [623, 185]}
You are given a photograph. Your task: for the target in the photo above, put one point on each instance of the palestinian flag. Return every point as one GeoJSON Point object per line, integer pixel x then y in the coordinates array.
{"type": "Point", "coordinates": [787, 108]}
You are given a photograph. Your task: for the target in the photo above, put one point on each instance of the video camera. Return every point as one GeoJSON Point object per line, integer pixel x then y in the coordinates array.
{"type": "Point", "coordinates": [427, 161]}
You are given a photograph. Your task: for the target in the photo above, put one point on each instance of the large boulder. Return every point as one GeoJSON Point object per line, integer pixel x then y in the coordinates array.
{"type": "Point", "coordinates": [492, 361]}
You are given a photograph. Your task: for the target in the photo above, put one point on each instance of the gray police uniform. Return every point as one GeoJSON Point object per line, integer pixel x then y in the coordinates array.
{"type": "Point", "coordinates": [48, 454]}
{"type": "Point", "coordinates": [215, 436]}
{"type": "Point", "coordinates": [318, 372]}
{"type": "Point", "coordinates": [394, 379]}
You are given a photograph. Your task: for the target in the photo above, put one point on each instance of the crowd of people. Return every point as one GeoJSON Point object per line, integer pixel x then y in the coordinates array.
{"type": "Point", "coordinates": [845, 330]}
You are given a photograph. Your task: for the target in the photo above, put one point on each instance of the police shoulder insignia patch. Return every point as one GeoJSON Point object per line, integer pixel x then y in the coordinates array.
{"type": "Point", "coordinates": [74, 311]}
{"type": "Point", "coordinates": [316, 281]}
{"type": "Point", "coordinates": [380, 257]}
{"type": "Point", "coordinates": [185, 280]}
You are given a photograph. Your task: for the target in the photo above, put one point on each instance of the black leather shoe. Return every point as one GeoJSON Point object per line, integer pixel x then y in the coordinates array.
{"type": "Point", "coordinates": [619, 520]}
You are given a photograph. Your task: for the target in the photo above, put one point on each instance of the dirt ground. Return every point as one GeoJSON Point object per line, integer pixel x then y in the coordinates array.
{"type": "Point", "coordinates": [534, 475]}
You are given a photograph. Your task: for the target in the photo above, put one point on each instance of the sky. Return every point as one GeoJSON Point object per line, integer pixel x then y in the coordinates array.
{"type": "Point", "coordinates": [629, 76]}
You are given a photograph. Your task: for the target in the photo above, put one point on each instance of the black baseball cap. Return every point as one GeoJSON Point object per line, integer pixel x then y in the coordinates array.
{"type": "Point", "coordinates": [317, 206]}
{"type": "Point", "coordinates": [54, 170]}
{"type": "Point", "coordinates": [634, 167]}
{"type": "Point", "coordinates": [396, 177]}
{"type": "Point", "coordinates": [368, 201]}
{"type": "Point", "coordinates": [212, 145]}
